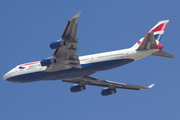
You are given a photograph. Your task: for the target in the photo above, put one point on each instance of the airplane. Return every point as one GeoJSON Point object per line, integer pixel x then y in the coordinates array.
{"type": "Point", "coordinates": [68, 67]}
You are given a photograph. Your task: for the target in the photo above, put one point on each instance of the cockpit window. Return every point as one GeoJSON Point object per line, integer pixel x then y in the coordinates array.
{"type": "Point", "coordinates": [21, 67]}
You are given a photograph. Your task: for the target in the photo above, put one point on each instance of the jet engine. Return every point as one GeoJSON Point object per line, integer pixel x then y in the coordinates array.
{"type": "Point", "coordinates": [77, 88]}
{"type": "Point", "coordinates": [56, 45]}
{"type": "Point", "coordinates": [107, 91]}
{"type": "Point", "coordinates": [47, 62]}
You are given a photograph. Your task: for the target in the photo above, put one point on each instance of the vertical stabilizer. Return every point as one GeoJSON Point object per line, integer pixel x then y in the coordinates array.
{"type": "Point", "coordinates": [157, 30]}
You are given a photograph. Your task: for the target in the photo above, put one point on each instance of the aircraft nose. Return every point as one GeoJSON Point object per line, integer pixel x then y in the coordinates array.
{"type": "Point", "coordinates": [5, 77]}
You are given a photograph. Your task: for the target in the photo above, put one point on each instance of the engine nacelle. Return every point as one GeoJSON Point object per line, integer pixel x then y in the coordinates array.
{"type": "Point", "coordinates": [107, 91]}
{"type": "Point", "coordinates": [47, 62]}
{"type": "Point", "coordinates": [77, 88]}
{"type": "Point", "coordinates": [56, 45]}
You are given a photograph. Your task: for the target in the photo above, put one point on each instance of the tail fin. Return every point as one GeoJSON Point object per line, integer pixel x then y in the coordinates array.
{"type": "Point", "coordinates": [157, 30]}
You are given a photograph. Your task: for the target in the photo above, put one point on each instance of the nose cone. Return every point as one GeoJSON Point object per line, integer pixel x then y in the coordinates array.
{"type": "Point", "coordinates": [5, 77]}
{"type": "Point", "coordinates": [8, 77]}
{"type": "Point", "coordinates": [11, 75]}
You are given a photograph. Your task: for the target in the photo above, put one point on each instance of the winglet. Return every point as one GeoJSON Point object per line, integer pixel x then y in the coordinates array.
{"type": "Point", "coordinates": [151, 86]}
{"type": "Point", "coordinates": [77, 15]}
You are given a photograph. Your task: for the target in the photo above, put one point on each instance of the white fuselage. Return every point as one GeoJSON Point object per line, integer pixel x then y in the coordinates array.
{"type": "Point", "coordinates": [90, 64]}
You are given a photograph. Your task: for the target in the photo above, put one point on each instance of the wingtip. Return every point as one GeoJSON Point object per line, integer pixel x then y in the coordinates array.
{"type": "Point", "coordinates": [151, 86]}
{"type": "Point", "coordinates": [174, 57]}
{"type": "Point", "coordinates": [77, 15]}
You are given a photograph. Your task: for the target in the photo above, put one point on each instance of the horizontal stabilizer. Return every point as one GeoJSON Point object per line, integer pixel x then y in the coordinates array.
{"type": "Point", "coordinates": [149, 42]}
{"type": "Point", "coordinates": [163, 54]}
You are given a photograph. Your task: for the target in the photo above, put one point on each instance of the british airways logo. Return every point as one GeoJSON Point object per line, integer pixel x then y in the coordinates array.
{"type": "Point", "coordinates": [30, 65]}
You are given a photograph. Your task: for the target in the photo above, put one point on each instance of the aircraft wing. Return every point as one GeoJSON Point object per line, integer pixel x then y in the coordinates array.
{"type": "Point", "coordinates": [65, 56]}
{"type": "Point", "coordinates": [87, 80]}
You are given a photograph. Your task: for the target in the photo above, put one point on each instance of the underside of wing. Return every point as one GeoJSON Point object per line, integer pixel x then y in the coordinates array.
{"type": "Point", "coordinates": [87, 80]}
{"type": "Point", "coordinates": [71, 28]}
{"type": "Point", "coordinates": [64, 55]}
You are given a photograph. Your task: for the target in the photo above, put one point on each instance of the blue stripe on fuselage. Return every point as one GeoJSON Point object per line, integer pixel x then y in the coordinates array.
{"type": "Point", "coordinates": [86, 69]}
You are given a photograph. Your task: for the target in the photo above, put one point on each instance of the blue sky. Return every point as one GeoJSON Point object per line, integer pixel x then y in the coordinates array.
{"type": "Point", "coordinates": [27, 28]}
